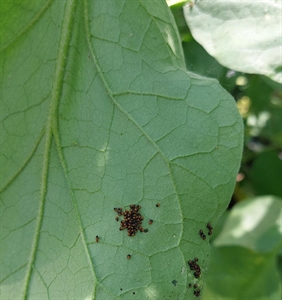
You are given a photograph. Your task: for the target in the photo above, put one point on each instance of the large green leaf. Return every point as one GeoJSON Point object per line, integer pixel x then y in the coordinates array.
{"type": "Point", "coordinates": [241, 35]}
{"type": "Point", "coordinates": [237, 273]}
{"type": "Point", "coordinates": [98, 112]}
{"type": "Point", "coordinates": [255, 224]}
{"type": "Point", "coordinates": [244, 255]}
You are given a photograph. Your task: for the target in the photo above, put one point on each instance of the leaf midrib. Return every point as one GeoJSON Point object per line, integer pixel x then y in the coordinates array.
{"type": "Point", "coordinates": [51, 127]}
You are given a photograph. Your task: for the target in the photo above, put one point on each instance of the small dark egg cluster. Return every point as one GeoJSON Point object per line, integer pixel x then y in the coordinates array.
{"type": "Point", "coordinates": [195, 267]}
{"type": "Point", "coordinates": [132, 219]}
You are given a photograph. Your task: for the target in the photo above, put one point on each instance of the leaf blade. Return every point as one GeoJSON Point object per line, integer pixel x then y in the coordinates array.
{"type": "Point", "coordinates": [229, 32]}
{"type": "Point", "coordinates": [109, 134]}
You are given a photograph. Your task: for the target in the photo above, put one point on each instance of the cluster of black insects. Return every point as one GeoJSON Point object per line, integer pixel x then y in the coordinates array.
{"type": "Point", "coordinates": [132, 219]}
{"type": "Point", "coordinates": [197, 291]}
{"type": "Point", "coordinates": [193, 264]}
{"type": "Point", "coordinates": [195, 267]}
{"type": "Point", "coordinates": [210, 228]}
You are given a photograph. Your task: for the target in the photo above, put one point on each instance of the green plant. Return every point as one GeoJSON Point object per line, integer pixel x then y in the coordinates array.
{"type": "Point", "coordinates": [98, 111]}
{"type": "Point", "coordinates": [246, 245]}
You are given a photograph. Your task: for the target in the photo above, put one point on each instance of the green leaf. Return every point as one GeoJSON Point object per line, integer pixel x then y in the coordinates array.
{"type": "Point", "coordinates": [262, 93]}
{"type": "Point", "coordinates": [98, 112]}
{"type": "Point", "coordinates": [255, 224]}
{"type": "Point", "coordinates": [244, 256]}
{"type": "Point", "coordinates": [266, 174]}
{"type": "Point", "coordinates": [238, 273]}
{"type": "Point", "coordinates": [241, 35]}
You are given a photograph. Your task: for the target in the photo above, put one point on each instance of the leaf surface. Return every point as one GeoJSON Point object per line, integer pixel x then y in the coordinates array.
{"type": "Point", "coordinates": [242, 35]}
{"type": "Point", "coordinates": [98, 112]}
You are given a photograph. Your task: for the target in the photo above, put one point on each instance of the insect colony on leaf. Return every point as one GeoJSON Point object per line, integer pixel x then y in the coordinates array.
{"type": "Point", "coordinates": [132, 221]}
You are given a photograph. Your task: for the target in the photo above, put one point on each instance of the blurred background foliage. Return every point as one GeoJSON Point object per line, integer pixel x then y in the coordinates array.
{"type": "Point", "coordinates": [246, 247]}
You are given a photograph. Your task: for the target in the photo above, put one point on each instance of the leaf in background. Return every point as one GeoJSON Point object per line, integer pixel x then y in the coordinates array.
{"type": "Point", "coordinates": [237, 273]}
{"type": "Point", "coordinates": [244, 254]}
{"type": "Point", "coordinates": [266, 173]}
{"type": "Point", "coordinates": [255, 224]}
{"type": "Point", "coordinates": [242, 35]}
{"type": "Point", "coordinates": [261, 94]}
{"type": "Point", "coordinates": [264, 118]}
{"type": "Point", "coordinates": [98, 112]}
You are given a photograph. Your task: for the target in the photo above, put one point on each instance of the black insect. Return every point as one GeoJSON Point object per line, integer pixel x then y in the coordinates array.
{"type": "Point", "coordinates": [151, 222]}
{"type": "Point", "coordinates": [97, 239]}
{"type": "Point", "coordinates": [197, 293]}
{"type": "Point", "coordinates": [202, 235]}
{"type": "Point", "coordinates": [158, 205]}
{"type": "Point", "coordinates": [209, 226]}
{"type": "Point", "coordinates": [128, 256]}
